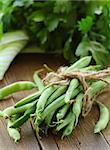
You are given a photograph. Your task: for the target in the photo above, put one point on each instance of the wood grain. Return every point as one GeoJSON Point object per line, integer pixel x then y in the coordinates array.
{"type": "Point", "coordinates": [82, 138]}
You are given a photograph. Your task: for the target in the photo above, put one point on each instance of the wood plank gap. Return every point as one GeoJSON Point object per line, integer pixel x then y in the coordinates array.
{"type": "Point", "coordinates": [105, 139]}
{"type": "Point", "coordinates": [56, 142]}
{"type": "Point", "coordinates": [40, 146]}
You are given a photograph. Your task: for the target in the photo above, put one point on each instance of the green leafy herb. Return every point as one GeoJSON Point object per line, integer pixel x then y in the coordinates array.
{"type": "Point", "coordinates": [49, 24]}
{"type": "Point", "coordinates": [85, 24]}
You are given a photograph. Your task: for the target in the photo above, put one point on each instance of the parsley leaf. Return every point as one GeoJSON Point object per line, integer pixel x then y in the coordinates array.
{"type": "Point", "coordinates": [85, 24]}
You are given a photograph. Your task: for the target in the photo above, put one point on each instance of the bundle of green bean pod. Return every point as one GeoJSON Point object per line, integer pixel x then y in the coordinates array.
{"type": "Point", "coordinates": [60, 100]}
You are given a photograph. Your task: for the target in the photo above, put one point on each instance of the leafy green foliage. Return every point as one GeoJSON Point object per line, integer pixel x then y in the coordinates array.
{"type": "Point", "coordinates": [60, 25]}
{"type": "Point", "coordinates": [98, 51]}
{"type": "Point", "coordinates": [62, 6]}
{"type": "Point", "coordinates": [85, 24]}
{"type": "Point", "coordinates": [83, 48]}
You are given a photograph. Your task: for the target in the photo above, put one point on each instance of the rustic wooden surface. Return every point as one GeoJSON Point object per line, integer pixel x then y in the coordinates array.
{"type": "Point", "coordinates": [81, 139]}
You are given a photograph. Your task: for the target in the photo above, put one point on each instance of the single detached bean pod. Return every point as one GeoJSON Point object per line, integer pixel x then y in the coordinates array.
{"type": "Point", "coordinates": [83, 62]}
{"type": "Point", "coordinates": [69, 128]}
{"type": "Point", "coordinates": [103, 119]}
{"type": "Point", "coordinates": [28, 99]}
{"type": "Point", "coordinates": [15, 87]}
{"type": "Point", "coordinates": [12, 110]}
{"type": "Point", "coordinates": [61, 90]}
{"type": "Point", "coordinates": [13, 132]}
{"type": "Point", "coordinates": [38, 81]}
{"type": "Point", "coordinates": [17, 123]}
{"type": "Point", "coordinates": [77, 106]}
{"type": "Point", "coordinates": [72, 86]}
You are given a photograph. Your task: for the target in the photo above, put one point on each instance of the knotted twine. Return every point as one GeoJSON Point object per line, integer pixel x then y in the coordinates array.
{"type": "Point", "coordinates": [63, 77]}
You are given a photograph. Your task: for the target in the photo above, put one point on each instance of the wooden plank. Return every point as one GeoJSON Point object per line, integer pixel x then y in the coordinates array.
{"type": "Point", "coordinates": [48, 142]}
{"type": "Point", "coordinates": [22, 69]}
{"type": "Point", "coordinates": [28, 139]}
{"type": "Point", "coordinates": [82, 138]}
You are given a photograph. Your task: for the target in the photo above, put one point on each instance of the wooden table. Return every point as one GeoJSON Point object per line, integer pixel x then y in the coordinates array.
{"type": "Point", "coordinates": [82, 138]}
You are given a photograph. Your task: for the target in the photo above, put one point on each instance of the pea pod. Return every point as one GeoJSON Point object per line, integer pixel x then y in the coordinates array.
{"type": "Point", "coordinates": [15, 87]}
{"type": "Point", "coordinates": [69, 128]}
{"type": "Point", "coordinates": [94, 89]}
{"type": "Point", "coordinates": [38, 81]}
{"type": "Point", "coordinates": [81, 63]}
{"type": "Point", "coordinates": [92, 68]}
{"type": "Point", "coordinates": [43, 98]}
{"type": "Point", "coordinates": [72, 86]}
{"type": "Point", "coordinates": [103, 119]}
{"type": "Point", "coordinates": [12, 110]}
{"type": "Point", "coordinates": [62, 112]}
{"type": "Point", "coordinates": [77, 107]}
{"type": "Point", "coordinates": [28, 99]}
{"type": "Point", "coordinates": [65, 122]}
{"type": "Point", "coordinates": [61, 90]}
{"type": "Point", "coordinates": [48, 120]}
{"type": "Point", "coordinates": [17, 123]}
{"type": "Point", "coordinates": [13, 132]}
{"type": "Point", "coordinates": [59, 102]}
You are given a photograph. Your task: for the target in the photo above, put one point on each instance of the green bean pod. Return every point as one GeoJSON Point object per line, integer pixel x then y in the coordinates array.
{"type": "Point", "coordinates": [15, 87]}
{"type": "Point", "coordinates": [49, 118]}
{"type": "Point", "coordinates": [72, 86]}
{"type": "Point", "coordinates": [92, 68]}
{"type": "Point", "coordinates": [81, 63]}
{"type": "Point", "coordinates": [48, 121]}
{"type": "Point", "coordinates": [69, 128]}
{"type": "Point", "coordinates": [12, 110]}
{"type": "Point", "coordinates": [77, 107]}
{"type": "Point", "coordinates": [38, 81]}
{"type": "Point", "coordinates": [103, 119]}
{"type": "Point", "coordinates": [17, 123]}
{"type": "Point", "coordinates": [62, 112]}
{"type": "Point", "coordinates": [97, 87]}
{"type": "Point", "coordinates": [61, 90]}
{"type": "Point", "coordinates": [28, 99]}
{"type": "Point", "coordinates": [13, 132]}
{"type": "Point", "coordinates": [65, 122]}
{"type": "Point", "coordinates": [59, 102]}
{"type": "Point", "coordinates": [43, 98]}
